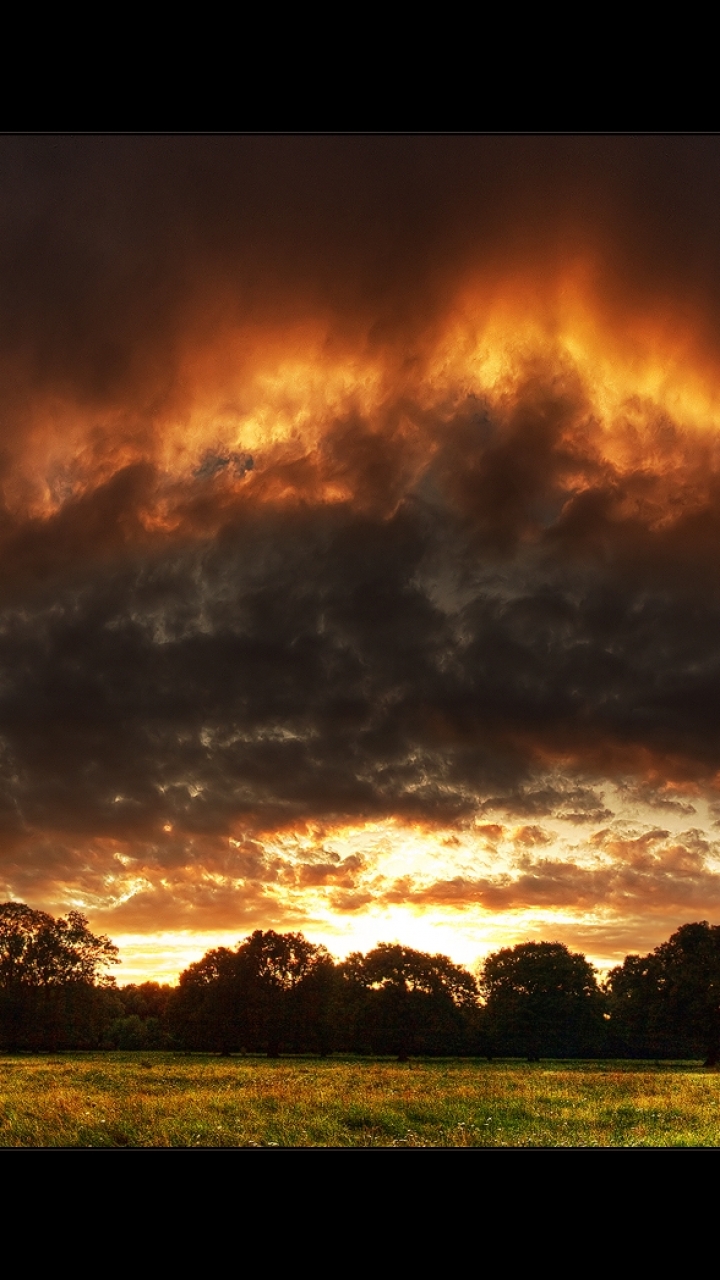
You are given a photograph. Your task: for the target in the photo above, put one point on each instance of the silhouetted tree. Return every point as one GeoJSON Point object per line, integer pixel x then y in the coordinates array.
{"type": "Point", "coordinates": [53, 987]}
{"type": "Point", "coordinates": [541, 1000]}
{"type": "Point", "coordinates": [638, 1026]}
{"type": "Point", "coordinates": [278, 976]}
{"type": "Point", "coordinates": [203, 1009]}
{"type": "Point", "coordinates": [270, 994]}
{"type": "Point", "coordinates": [667, 1003]}
{"type": "Point", "coordinates": [405, 1002]}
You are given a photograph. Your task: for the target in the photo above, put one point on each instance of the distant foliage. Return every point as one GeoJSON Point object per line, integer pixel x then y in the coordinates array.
{"type": "Point", "coordinates": [141, 1021]}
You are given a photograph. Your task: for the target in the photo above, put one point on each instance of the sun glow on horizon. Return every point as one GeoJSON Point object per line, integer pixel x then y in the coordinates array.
{"type": "Point", "coordinates": [462, 891]}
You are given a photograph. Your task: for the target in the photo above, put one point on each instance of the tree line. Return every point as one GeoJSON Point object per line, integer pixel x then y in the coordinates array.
{"type": "Point", "coordinates": [279, 993]}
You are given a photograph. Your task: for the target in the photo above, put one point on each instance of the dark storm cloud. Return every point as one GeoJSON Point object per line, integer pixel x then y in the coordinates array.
{"type": "Point", "coordinates": [113, 250]}
{"type": "Point", "coordinates": [561, 797]}
{"type": "Point", "coordinates": [304, 661]}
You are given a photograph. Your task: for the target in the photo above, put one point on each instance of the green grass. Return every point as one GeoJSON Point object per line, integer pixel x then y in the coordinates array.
{"type": "Point", "coordinates": [177, 1100]}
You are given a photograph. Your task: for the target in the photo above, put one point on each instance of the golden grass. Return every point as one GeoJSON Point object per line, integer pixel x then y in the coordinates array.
{"type": "Point", "coordinates": [176, 1100]}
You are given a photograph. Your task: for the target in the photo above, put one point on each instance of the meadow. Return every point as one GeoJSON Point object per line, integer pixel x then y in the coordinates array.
{"type": "Point", "coordinates": [197, 1100]}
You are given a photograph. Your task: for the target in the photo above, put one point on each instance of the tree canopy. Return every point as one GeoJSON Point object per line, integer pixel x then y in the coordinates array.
{"type": "Point", "coordinates": [541, 999]}
{"type": "Point", "coordinates": [668, 1002]}
{"type": "Point", "coordinates": [390, 966]}
{"type": "Point", "coordinates": [37, 950]}
{"type": "Point", "coordinates": [265, 995]}
{"type": "Point", "coordinates": [52, 979]}
{"type": "Point", "coordinates": [409, 1002]}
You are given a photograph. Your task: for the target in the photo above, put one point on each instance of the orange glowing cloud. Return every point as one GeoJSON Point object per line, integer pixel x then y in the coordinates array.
{"type": "Point", "coordinates": [287, 416]}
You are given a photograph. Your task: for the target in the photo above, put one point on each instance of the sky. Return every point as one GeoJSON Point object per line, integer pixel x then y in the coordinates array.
{"type": "Point", "coordinates": [360, 539]}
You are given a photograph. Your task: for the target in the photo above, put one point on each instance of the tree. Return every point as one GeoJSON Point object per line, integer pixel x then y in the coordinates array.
{"type": "Point", "coordinates": [638, 1027]}
{"type": "Point", "coordinates": [407, 1002]}
{"type": "Point", "coordinates": [202, 1010]}
{"type": "Point", "coordinates": [540, 999]}
{"type": "Point", "coordinates": [140, 1023]}
{"type": "Point", "coordinates": [36, 950]}
{"type": "Point", "coordinates": [52, 976]}
{"type": "Point", "coordinates": [278, 974]}
{"type": "Point", "coordinates": [667, 1003]}
{"type": "Point", "coordinates": [271, 993]}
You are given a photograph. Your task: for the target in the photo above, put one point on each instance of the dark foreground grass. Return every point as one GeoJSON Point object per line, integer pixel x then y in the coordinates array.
{"type": "Point", "coordinates": [176, 1100]}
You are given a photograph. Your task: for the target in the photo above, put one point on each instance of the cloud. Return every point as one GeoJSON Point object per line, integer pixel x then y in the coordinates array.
{"type": "Point", "coordinates": [318, 661]}
{"type": "Point", "coordinates": [651, 872]}
{"type": "Point", "coordinates": [348, 480]}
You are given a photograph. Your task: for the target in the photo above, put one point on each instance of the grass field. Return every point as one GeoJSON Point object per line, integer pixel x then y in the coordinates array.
{"type": "Point", "coordinates": [175, 1100]}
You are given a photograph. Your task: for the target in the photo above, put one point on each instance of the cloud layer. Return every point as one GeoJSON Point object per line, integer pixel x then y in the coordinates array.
{"type": "Point", "coordinates": [355, 482]}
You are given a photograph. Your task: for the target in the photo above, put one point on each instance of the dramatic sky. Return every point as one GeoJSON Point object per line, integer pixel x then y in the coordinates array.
{"type": "Point", "coordinates": [360, 539]}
